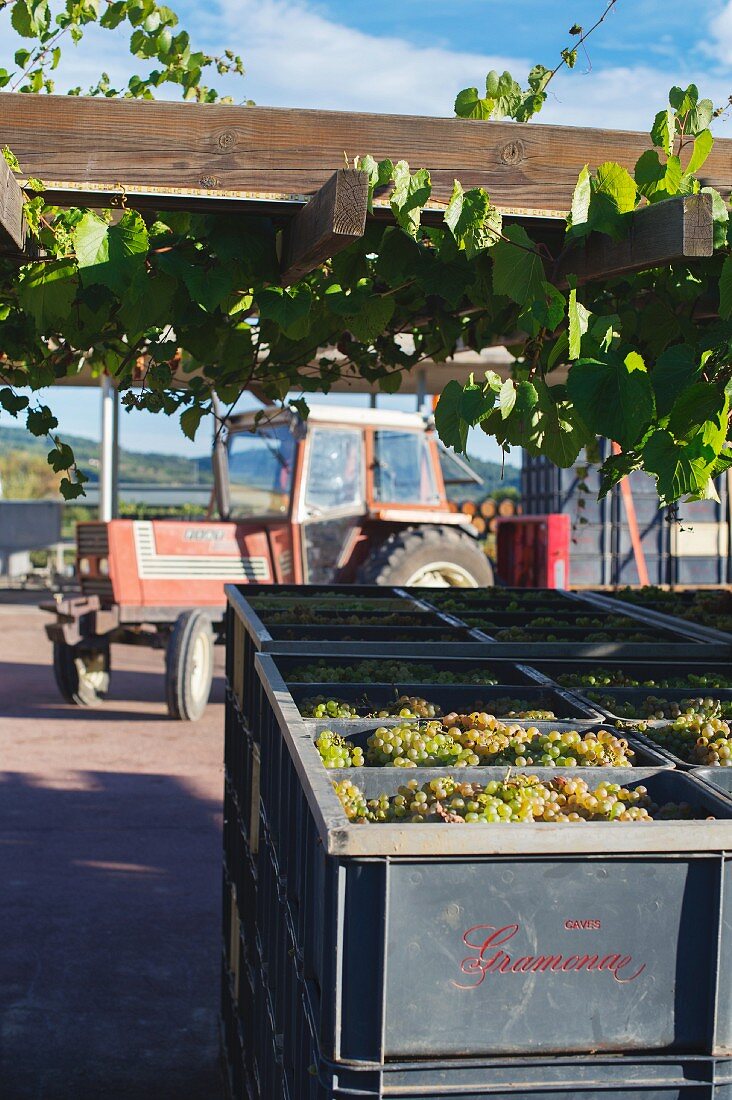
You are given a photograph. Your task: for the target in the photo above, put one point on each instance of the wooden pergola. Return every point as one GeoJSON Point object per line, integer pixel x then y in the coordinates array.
{"type": "Point", "coordinates": [288, 164]}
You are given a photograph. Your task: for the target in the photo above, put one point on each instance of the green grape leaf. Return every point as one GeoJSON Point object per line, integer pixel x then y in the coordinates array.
{"type": "Point", "coordinates": [679, 470]}
{"type": "Point", "coordinates": [725, 290]}
{"type": "Point", "coordinates": [372, 319]}
{"type": "Point", "coordinates": [46, 292]}
{"type": "Point", "coordinates": [12, 402]}
{"type": "Point", "coordinates": [720, 214]}
{"type": "Point", "coordinates": [518, 271]}
{"type": "Point", "coordinates": [60, 458]}
{"type": "Point", "coordinates": [190, 421]}
{"type": "Point", "coordinates": [411, 192]}
{"type": "Point", "coordinates": [579, 317]}
{"type": "Point", "coordinates": [675, 369]}
{"type": "Point", "coordinates": [614, 398]}
{"type": "Point", "coordinates": [702, 148]}
{"type": "Point", "coordinates": [287, 307]}
{"type": "Point", "coordinates": [110, 255]}
{"type": "Point", "coordinates": [581, 198]}
{"type": "Point", "coordinates": [41, 421]}
{"type": "Point", "coordinates": [507, 398]}
{"type": "Point", "coordinates": [451, 428]}
{"type": "Point", "coordinates": [615, 468]}
{"type": "Point", "coordinates": [663, 131]}
{"type": "Point", "coordinates": [698, 403]}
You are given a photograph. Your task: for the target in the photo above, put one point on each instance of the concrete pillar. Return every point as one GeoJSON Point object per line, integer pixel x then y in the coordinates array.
{"type": "Point", "coordinates": [421, 389]}
{"type": "Point", "coordinates": [108, 451]}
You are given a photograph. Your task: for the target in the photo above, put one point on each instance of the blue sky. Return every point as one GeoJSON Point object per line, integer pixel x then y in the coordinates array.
{"type": "Point", "coordinates": [412, 56]}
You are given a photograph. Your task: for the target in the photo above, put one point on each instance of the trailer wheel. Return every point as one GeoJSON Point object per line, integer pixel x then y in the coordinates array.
{"type": "Point", "coordinates": [82, 675]}
{"type": "Point", "coordinates": [429, 557]}
{"type": "Point", "coordinates": [189, 666]}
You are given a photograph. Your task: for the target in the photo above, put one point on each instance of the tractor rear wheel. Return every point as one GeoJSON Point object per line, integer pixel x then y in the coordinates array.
{"type": "Point", "coordinates": [189, 666]}
{"type": "Point", "coordinates": [429, 557]}
{"type": "Point", "coordinates": [82, 675]}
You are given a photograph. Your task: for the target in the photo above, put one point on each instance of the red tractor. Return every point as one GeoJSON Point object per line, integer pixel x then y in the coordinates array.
{"type": "Point", "coordinates": [351, 495]}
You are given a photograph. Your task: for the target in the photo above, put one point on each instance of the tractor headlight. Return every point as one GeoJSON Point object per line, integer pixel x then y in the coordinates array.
{"type": "Point", "coordinates": [103, 566]}
{"type": "Point", "coordinates": [84, 566]}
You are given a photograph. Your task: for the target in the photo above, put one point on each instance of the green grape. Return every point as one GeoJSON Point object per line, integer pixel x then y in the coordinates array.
{"type": "Point", "coordinates": [519, 799]}
{"type": "Point", "coordinates": [696, 739]}
{"type": "Point", "coordinates": [653, 707]}
{"type": "Point", "coordinates": [336, 752]}
{"type": "Point", "coordinates": [321, 707]}
{"type": "Point", "coordinates": [604, 677]}
{"type": "Point", "coordinates": [387, 672]}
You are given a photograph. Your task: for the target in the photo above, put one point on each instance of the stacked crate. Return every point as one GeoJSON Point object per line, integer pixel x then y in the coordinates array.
{"type": "Point", "coordinates": [688, 546]}
{"type": "Point", "coordinates": [357, 957]}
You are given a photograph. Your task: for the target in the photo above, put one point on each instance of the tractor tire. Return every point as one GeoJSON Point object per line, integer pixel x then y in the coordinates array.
{"type": "Point", "coordinates": [82, 675]}
{"type": "Point", "coordinates": [189, 666]}
{"type": "Point", "coordinates": [428, 557]}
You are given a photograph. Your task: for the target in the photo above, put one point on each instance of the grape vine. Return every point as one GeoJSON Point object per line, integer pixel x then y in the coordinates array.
{"type": "Point", "coordinates": [145, 298]}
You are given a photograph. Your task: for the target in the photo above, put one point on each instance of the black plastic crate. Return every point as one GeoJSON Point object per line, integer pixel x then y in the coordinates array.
{"type": "Point", "coordinates": [638, 670]}
{"type": "Point", "coordinates": [617, 700]}
{"type": "Point", "coordinates": [379, 915]}
{"type": "Point", "coordinates": [503, 672]}
{"type": "Point", "coordinates": [462, 699]}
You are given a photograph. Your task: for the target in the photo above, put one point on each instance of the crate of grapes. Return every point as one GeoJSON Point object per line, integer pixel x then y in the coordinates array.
{"type": "Point", "coordinates": [427, 918]}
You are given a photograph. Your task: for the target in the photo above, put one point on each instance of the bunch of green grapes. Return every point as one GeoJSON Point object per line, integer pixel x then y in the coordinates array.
{"type": "Point", "coordinates": [653, 707]}
{"type": "Point", "coordinates": [522, 799]}
{"type": "Point", "coordinates": [353, 801]}
{"type": "Point", "coordinates": [505, 707]}
{"type": "Point", "coordinates": [322, 707]}
{"type": "Point", "coordinates": [482, 739]}
{"type": "Point", "coordinates": [405, 706]}
{"type": "Point", "coordinates": [497, 743]}
{"type": "Point", "coordinates": [387, 672]}
{"type": "Point", "coordinates": [604, 677]}
{"type": "Point", "coordinates": [417, 745]}
{"type": "Point", "coordinates": [696, 739]}
{"type": "Point", "coordinates": [336, 752]}
{"type": "Point", "coordinates": [408, 706]}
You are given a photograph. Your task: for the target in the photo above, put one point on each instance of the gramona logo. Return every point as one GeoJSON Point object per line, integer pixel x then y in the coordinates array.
{"type": "Point", "coordinates": [488, 957]}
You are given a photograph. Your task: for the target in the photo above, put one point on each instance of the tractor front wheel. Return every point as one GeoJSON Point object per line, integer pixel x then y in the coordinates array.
{"type": "Point", "coordinates": [429, 557]}
{"type": "Point", "coordinates": [82, 675]}
{"type": "Point", "coordinates": [189, 666]}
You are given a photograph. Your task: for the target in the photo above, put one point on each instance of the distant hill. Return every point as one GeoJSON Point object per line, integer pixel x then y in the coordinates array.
{"type": "Point", "coordinates": [153, 468]}
{"type": "Point", "coordinates": [143, 467]}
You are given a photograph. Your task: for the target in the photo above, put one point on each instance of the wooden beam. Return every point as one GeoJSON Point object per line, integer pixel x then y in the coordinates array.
{"type": "Point", "coordinates": [93, 146]}
{"type": "Point", "coordinates": [12, 218]}
{"type": "Point", "coordinates": [676, 229]}
{"type": "Point", "coordinates": [333, 219]}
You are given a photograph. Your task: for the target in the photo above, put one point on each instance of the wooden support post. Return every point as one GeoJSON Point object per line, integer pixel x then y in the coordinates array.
{"type": "Point", "coordinates": [676, 229]}
{"type": "Point", "coordinates": [12, 219]}
{"type": "Point", "coordinates": [333, 219]}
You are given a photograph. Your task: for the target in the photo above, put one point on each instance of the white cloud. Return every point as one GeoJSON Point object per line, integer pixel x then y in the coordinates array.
{"type": "Point", "coordinates": [295, 56]}
{"type": "Point", "coordinates": [720, 29]}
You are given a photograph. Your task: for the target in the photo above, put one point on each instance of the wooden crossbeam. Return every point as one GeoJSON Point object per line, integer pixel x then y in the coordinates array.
{"type": "Point", "coordinates": [93, 147]}
{"type": "Point", "coordinates": [676, 229]}
{"type": "Point", "coordinates": [12, 218]}
{"type": "Point", "coordinates": [333, 219]}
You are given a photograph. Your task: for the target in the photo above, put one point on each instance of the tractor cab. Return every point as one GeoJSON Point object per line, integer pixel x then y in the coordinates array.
{"type": "Point", "coordinates": [335, 480]}
{"type": "Point", "coordinates": [348, 496]}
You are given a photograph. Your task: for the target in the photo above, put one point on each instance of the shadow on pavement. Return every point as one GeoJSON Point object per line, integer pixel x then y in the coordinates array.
{"type": "Point", "coordinates": [109, 939]}
{"type": "Point", "coordinates": [44, 700]}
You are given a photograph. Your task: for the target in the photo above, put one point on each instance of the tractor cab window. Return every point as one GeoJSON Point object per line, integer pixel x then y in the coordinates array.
{"type": "Point", "coordinates": [335, 469]}
{"type": "Point", "coordinates": [261, 464]}
{"type": "Point", "coordinates": [403, 472]}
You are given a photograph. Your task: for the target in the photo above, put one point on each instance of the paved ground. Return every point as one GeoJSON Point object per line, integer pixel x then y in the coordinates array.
{"type": "Point", "coordinates": [110, 858]}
